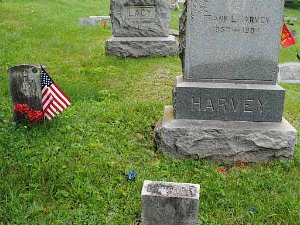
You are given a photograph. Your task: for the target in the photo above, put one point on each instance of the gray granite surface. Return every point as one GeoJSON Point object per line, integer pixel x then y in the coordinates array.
{"type": "Point", "coordinates": [231, 41]}
{"type": "Point", "coordinates": [170, 203]}
{"type": "Point", "coordinates": [141, 46]}
{"type": "Point", "coordinates": [140, 18]}
{"type": "Point", "coordinates": [227, 101]}
{"type": "Point", "coordinates": [225, 141]}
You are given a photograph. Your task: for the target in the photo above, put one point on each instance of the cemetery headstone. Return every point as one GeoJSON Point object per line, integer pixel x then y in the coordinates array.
{"type": "Point", "coordinates": [227, 105]}
{"type": "Point", "coordinates": [290, 20]}
{"type": "Point", "coordinates": [25, 88]}
{"type": "Point", "coordinates": [294, 33]}
{"type": "Point", "coordinates": [289, 73]}
{"type": "Point", "coordinates": [141, 28]}
{"type": "Point", "coordinates": [170, 203]}
{"type": "Point", "coordinates": [174, 5]}
{"type": "Point", "coordinates": [92, 21]}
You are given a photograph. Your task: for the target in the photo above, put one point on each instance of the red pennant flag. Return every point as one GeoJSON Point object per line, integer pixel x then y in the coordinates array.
{"type": "Point", "coordinates": [287, 38]}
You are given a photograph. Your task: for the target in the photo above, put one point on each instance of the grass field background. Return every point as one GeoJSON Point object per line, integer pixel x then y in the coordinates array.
{"type": "Point", "coordinates": [72, 169]}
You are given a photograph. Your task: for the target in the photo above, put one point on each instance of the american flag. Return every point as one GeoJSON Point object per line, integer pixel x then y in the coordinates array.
{"type": "Point", "coordinates": [54, 101]}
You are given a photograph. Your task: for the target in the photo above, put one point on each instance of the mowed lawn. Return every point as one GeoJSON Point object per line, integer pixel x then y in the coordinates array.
{"type": "Point", "coordinates": [72, 169]}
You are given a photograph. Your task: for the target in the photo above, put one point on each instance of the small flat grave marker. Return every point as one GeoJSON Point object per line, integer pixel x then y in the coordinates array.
{"type": "Point", "coordinates": [170, 203]}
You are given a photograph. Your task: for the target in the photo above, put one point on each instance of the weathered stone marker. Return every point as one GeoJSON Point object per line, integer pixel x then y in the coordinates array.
{"type": "Point", "coordinates": [170, 203]}
{"type": "Point", "coordinates": [25, 88]}
{"type": "Point", "coordinates": [227, 105]}
{"type": "Point", "coordinates": [289, 73]}
{"type": "Point", "coordinates": [92, 21]}
{"type": "Point", "coordinates": [141, 28]}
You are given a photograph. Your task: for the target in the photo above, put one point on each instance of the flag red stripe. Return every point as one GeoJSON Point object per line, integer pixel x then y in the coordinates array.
{"type": "Point", "coordinates": [59, 90]}
{"type": "Point", "coordinates": [45, 93]}
{"type": "Point", "coordinates": [59, 97]}
{"type": "Point", "coordinates": [54, 110]}
{"type": "Point", "coordinates": [62, 96]}
{"type": "Point", "coordinates": [57, 109]}
{"type": "Point", "coordinates": [60, 104]}
{"type": "Point", "coordinates": [47, 116]}
{"type": "Point", "coordinates": [46, 101]}
{"type": "Point", "coordinates": [49, 112]}
{"type": "Point", "coordinates": [54, 100]}
{"type": "Point", "coordinates": [57, 106]}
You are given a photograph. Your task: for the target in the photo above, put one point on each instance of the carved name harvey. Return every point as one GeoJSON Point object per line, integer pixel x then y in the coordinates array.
{"type": "Point", "coordinates": [228, 105]}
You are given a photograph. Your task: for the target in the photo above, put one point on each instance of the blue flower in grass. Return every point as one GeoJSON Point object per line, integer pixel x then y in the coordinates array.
{"type": "Point", "coordinates": [131, 175]}
{"type": "Point", "coordinates": [252, 209]}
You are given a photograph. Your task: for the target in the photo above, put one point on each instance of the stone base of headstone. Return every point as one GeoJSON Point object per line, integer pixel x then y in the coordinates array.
{"type": "Point", "coordinates": [228, 101]}
{"type": "Point", "coordinates": [170, 203]}
{"type": "Point", "coordinates": [225, 141]}
{"type": "Point", "coordinates": [141, 46]}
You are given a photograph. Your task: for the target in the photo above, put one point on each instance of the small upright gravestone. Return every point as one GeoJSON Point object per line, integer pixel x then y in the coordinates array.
{"type": "Point", "coordinates": [141, 28]}
{"type": "Point", "coordinates": [227, 105]}
{"type": "Point", "coordinates": [25, 88]}
{"type": "Point", "coordinates": [170, 203]}
{"type": "Point", "coordinates": [92, 21]}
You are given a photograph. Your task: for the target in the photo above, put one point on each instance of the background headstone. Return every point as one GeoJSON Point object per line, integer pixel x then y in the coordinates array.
{"type": "Point", "coordinates": [140, 18]}
{"type": "Point", "coordinates": [294, 33]}
{"type": "Point", "coordinates": [141, 28]}
{"type": "Point", "coordinates": [170, 203]}
{"type": "Point", "coordinates": [289, 73]}
{"type": "Point", "coordinates": [290, 20]}
{"type": "Point", "coordinates": [25, 87]}
{"type": "Point", "coordinates": [174, 5]}
{"type": "Point", "coordinates": [92, 21]}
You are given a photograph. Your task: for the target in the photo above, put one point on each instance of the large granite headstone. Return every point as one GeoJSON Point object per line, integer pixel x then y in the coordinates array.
{"type": "Point", "coordinates": [141, 28]}
{"type": "Point", "coordinates": [227, 105]}
{"type": "Point", "coordinates": [170, 203]}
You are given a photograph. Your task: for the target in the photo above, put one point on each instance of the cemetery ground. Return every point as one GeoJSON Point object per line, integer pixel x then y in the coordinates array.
{"type": "Point", "coordinates": [72, 170]}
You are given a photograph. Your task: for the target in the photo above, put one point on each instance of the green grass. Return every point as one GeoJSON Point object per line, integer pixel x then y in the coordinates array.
{"type": "Point", "coordinates": [72, 170]}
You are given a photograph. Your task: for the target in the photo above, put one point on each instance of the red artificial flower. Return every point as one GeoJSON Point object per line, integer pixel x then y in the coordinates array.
{"type": "Point", "coordinates": [22, 108]}
{"type": "Point", "coordinates": [222, 169]}
{"type": "Point", "coordinates": [35, 115]}
{"type": "Point", "coordinates": [242, 164]}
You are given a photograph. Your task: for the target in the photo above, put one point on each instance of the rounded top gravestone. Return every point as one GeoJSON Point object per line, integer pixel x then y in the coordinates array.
{"type": "Point", "coordinates": [25, 87]}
